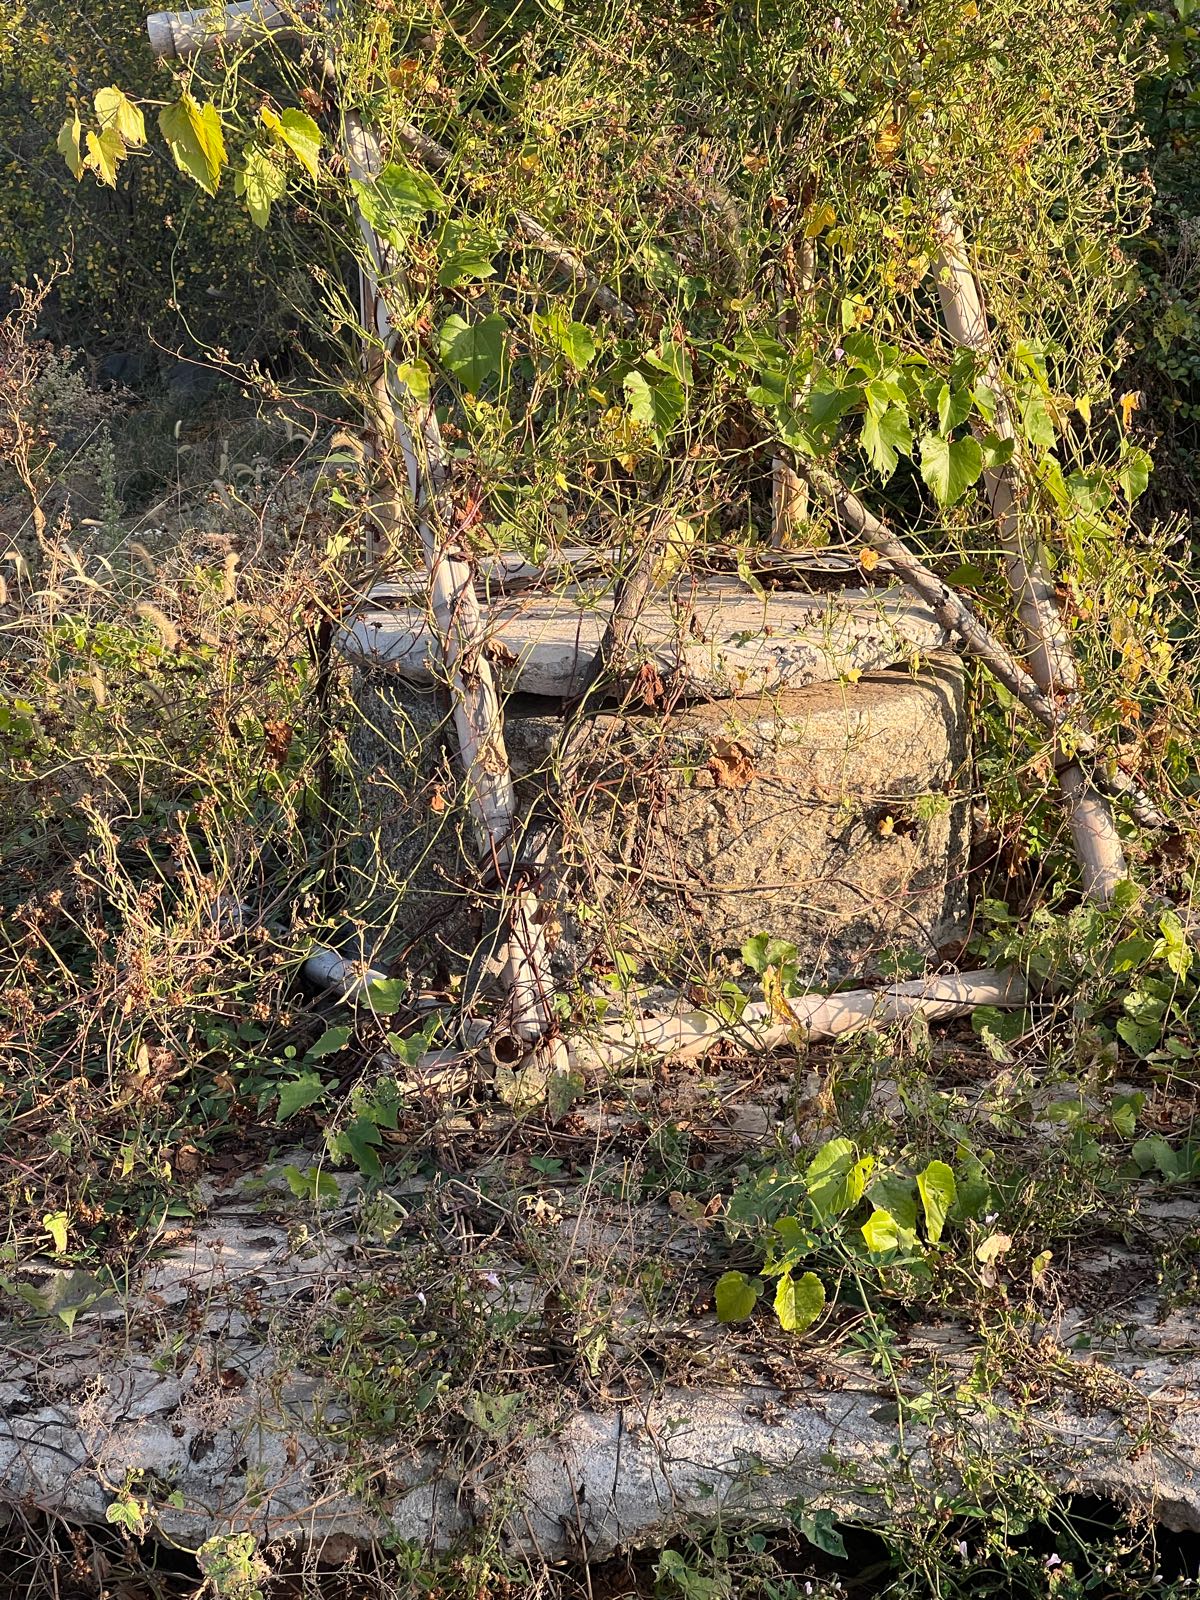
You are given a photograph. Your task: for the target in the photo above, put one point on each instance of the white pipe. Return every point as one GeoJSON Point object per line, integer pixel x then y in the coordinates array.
{"type": "Point", "coordinates": [181, 34]}
{"type": "Point", "coordinates": [348, 980]}
{"type": "Point", "coordinates": [813, 1017]}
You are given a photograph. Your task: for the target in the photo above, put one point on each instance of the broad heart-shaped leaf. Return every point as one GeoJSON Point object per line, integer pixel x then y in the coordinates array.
{"type": "Point", "coordinates": [799, 1301]}
{"type": "Point", "coordinates": [657, 403]}
{"type": "Point", "coordinates": [194, 134]}
{"type": "Point", "coordinates": [473, 351]}
{"type": "Point", "coordinates": [835, 1180]}
{"type": "Point", "coordinates": [736, 1296]}
{"type": "Point", "coordinates": [397, 200]}
{"type": "Point", "coordinates": [997, 452]}
{"type": "Point", "coordinates": [69, 136]}
{"type": "Point", "coordinates": [1036, 422]}
{"type": "Point", "coordinates": [297, 130]}
{"type": "Point", "coordinates": [820, 1529]}
{"type": "Point", "coordinates": [572, 340]}
{"type": "Point", "coordinates": [673, 359]}
{"type": "Point", "coordinates": [881, 1232]}
{"type": "Point", "coordinates": [762, 952]}
{"type": "Point", "coordinates": [897, 1196]}
{"type": "Point", "coordinates": [884, 437]}
{"type": "Point", "coordinates": [1134, 473]}
{"type": "Point", "coordinates": [416, 378]}
{"type": "Point", "coordinates": [297, 1094]}
{"type": "Point", "coordinates": [950, 466]}
{"type": "Point", "coordinates": [953, 407]}
{"type": "Point", "coordinates": [385, 995]}
{"type": "Point", "coordinates": [105, 153]}
{"type": "Point", "coordinates": [358, 1141]}
{"type": "Point", "coordinates": [1143, 1038]}
{"type": "Point", "coordinates": [938, 1191]}
{"type": "Point", "coordinates": [1156, 1152]}
{"type": "Point", "coordinates": [260, 184]}
{"type": "Point", "coordinates": [114, 111]}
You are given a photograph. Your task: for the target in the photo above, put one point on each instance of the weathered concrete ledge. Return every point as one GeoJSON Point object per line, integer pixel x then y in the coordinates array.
{"type": "Point", "coordinates": [193, 1391]}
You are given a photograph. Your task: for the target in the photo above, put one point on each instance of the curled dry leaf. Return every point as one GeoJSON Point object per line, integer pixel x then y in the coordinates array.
{"type": "Point", "coordinates": [730, 765]}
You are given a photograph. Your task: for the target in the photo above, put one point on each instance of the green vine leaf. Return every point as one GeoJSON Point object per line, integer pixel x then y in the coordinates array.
{"type": "Point", "coordinates": [938, 1192]}
{"type": "Point", "coordinates": [997, 452]}
{"type": "Point", "coordinates": [882, 1232]}
{"type": "Point", "coordinates": [657, 403]}
{"type": "Point", "coordinates": [572, 339]}
{"type": "Point", "coordinates": [465, 253]}
{"type": "Point", "coordinates": [397, 200]}
{"type": "Point", "coordinates": [416, 378]}
{"type": "Point", "coordinates": [953, 407]}
{"type": "Point", "coordinates": [473, 351]}
{"type": "Point", "coordinates": [835, 1180]}
{"type": "Point", "coordinates": [330, 1042]}
{"type": "Point", "coordinates": [298, 132]}
{"type": "Point", "coordinates": [885, 437]}
{"type": "Point", "coordinates": [799, 1301]}
{"type": "Point", "coordinates": [736, 1296]}
{"type": "Point", "coordinates": [298, 1094]}
{"type": "Point", "coordinates": [950, 466]}
{"type": "Point", "coordinates": [260, 184]}
{"type": "Point", "coordinates": [1134, 473]}
{"type": "Point", "coordinates": [1036, 422]}
{"type": "Point", "coordinates": [194, 135]}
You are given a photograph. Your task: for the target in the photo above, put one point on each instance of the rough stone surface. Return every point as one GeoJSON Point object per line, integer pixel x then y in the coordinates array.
{"type": "Point", "coordinates": [833, 816]}
{"type": "Point", "coordinates": [197, 1392]}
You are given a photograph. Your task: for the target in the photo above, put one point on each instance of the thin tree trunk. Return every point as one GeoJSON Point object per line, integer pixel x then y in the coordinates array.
{"type": "Point", "coordinates": [477, 718]}
{"type": "Point", "coordinates": [1051, 662]}
{"type": "Point", "coordinates": [957, 617]}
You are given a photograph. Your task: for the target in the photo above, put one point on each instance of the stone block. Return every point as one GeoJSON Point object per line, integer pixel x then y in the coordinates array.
{"type": "Point", "coordinates": [834, 816]}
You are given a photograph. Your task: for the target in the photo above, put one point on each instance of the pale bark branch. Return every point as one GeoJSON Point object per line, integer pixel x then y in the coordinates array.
{"type": "Point", "coordinates": [1052, 664]}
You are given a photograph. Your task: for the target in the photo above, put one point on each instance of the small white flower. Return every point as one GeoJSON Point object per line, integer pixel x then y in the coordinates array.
{"type": "Point", "coordinates": [962, 1548]}
{"type": "Point", "coordinates": [1054, 1561]}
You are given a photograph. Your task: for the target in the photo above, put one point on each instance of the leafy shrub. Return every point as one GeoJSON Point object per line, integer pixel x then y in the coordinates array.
{"type": "Point", "coordinates": [146, 259]}
{"type": "Point", "coordinates": [1165, 332]}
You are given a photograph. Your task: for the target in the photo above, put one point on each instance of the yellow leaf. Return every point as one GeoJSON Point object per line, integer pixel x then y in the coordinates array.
{"type": "Point", "coordinates": [116, 111]}
{"type": "Point", "coordinates": [1084, 407]}
{"type": "Point", "coordinates": [887, 141]}
{"type": "Point", "coordinates": [297, 131]}
{"type": "Point", "coordinates": [106, 151]}
{"type": "Point", "coordinates": [817, 218]}
{"type": "Point", "coordinates": [55, 1224]}
{"type": "Point", "coordinates": [868, 559]}
{"type": "Point", "coordinates": [69, 136]}
{"type": "Point", "coordinates": [1130, 402]}
{"type": "Point", "coordinates": [194, 134]}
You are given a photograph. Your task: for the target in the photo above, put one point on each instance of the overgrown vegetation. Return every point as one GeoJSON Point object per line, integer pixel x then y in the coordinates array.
{"type": "Point", "coordinates": [749, 214]}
